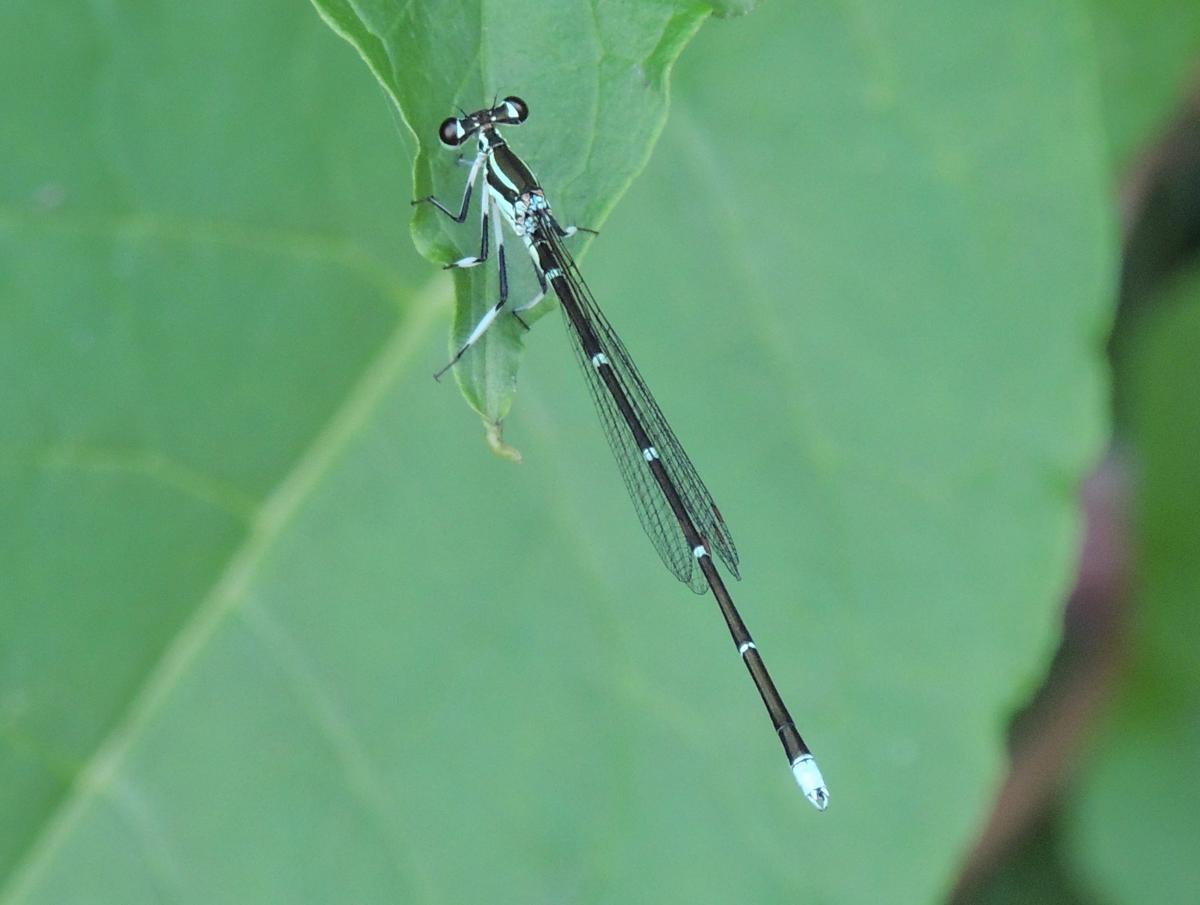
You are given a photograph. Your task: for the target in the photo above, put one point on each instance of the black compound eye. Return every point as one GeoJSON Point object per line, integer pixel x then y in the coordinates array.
{"type": "Point", "coordinates": [451, 132]}
{"type": "Point", "coordinates": [516, 110]}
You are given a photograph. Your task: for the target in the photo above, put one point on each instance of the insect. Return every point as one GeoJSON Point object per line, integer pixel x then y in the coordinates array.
{"type": "Point", "coordinates": [674, 506]}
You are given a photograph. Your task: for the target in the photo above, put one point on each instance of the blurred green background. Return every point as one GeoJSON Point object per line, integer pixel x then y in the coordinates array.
{"type": "Point", "coordinates": [918, 289]}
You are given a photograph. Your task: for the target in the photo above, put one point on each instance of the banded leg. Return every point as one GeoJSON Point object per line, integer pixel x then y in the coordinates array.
{"type": "Point", "coordinates": [461, 216]}
{"type": "Point", "coordinates": [565, 232]}
{"type": "Point", "coordinates": [484, 208]}
{"type": "Point", "coordinates": [543, 277]}
{"type": "Point", "coordinates": [489, 316]}
{"type": "Point", "coordinates": [544, 287]}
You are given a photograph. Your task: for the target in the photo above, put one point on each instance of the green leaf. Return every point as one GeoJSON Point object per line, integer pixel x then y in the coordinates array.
{"type": "Point", "coordinates": [275, 628]}
{"type": "Point", "coordinates": [595, 77]}
{"type": "Point", "coordinates": [200, 264]}
{"type": "Point", "coordinates": [1144, 762]}
{"type": "Point", "coordinates": [1148, 53]}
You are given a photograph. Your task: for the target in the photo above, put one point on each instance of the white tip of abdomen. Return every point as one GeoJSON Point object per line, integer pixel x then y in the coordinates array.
{"type": "Point", "coordinates": [812, 784]}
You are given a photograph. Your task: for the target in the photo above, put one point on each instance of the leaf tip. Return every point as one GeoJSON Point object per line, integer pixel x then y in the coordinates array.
{"type": "Point", "coordinates": [494, 433]}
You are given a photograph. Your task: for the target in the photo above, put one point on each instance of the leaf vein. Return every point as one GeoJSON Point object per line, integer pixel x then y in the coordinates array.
{"type": "Point", "coordinates": [229, 590]}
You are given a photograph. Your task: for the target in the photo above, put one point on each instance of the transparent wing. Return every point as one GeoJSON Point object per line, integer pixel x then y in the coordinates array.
{"type": "Point", "coordinates": [653, 510]}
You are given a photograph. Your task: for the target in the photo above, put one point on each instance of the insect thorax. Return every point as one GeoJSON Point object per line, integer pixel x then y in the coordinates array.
{"type": "Point", "coordinates": [526, 205]}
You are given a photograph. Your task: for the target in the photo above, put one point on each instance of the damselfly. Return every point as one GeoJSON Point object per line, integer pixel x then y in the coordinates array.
{"type": "Point", "coordinates": [674, 506]}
